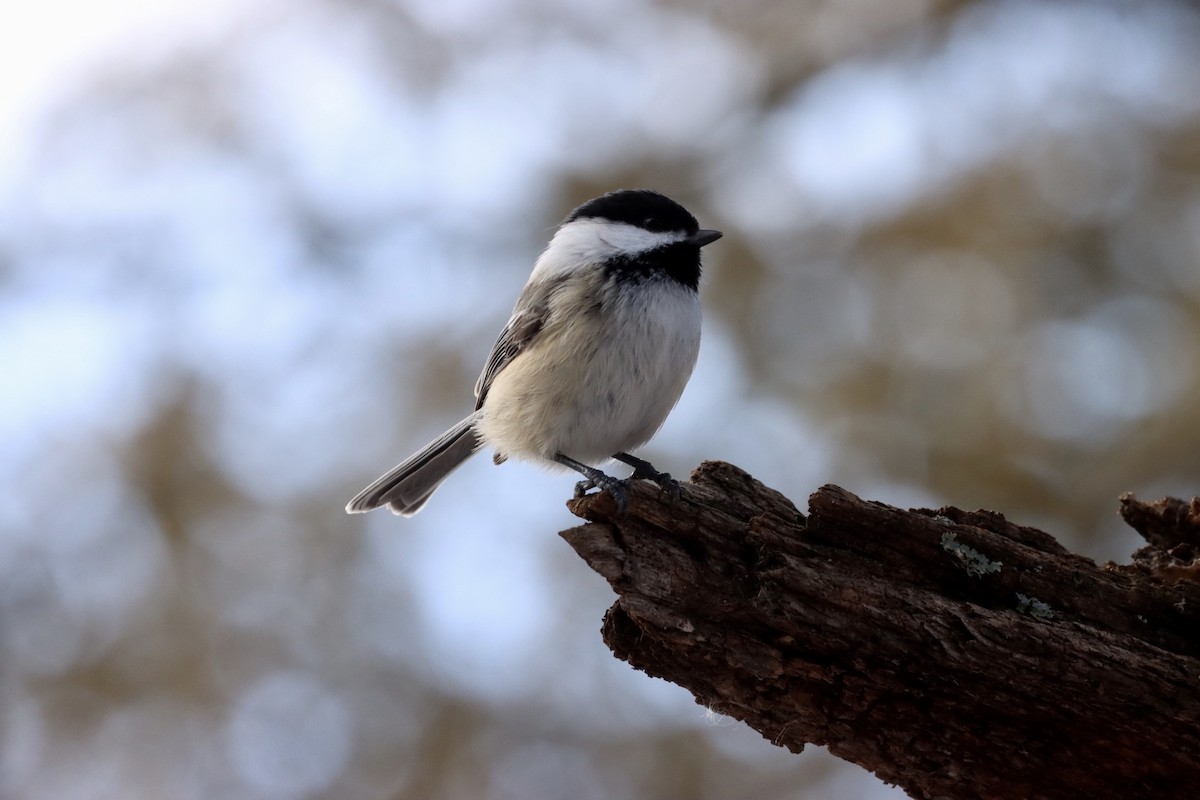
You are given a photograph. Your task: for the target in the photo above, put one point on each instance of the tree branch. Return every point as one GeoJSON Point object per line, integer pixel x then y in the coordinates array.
{"type": "Point", "coordinates": [953, 653]}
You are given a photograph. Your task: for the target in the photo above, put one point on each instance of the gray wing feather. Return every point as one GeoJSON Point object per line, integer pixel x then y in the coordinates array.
{"type": "Point", "coordinates": [406, 487]}
{"type": "Point", "coordinates": [527, 321]}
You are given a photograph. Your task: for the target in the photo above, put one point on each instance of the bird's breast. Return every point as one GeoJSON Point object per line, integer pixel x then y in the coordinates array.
{"type": "Point", "coordinates": [601, 376]}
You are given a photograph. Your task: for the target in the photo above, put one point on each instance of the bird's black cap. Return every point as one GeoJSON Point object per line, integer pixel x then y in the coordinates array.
{"type": "Point", "coordinates": [641, 207]}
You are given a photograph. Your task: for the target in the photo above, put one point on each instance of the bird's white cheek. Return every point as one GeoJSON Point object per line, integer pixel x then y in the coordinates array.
{"type": "Point", "coordinates": [584, 243]}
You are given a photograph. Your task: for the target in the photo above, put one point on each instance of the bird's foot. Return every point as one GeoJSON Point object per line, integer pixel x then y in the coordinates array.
{"type": "Point", "coordinates": [644, 470]}
{"type": "Point", "coordinates": [617, 489]}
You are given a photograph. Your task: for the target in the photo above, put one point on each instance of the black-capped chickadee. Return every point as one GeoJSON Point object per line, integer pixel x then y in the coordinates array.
{"type": "Point", "coordinates": [599, 347]}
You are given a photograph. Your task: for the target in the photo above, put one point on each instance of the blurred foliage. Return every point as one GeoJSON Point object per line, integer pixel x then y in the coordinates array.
{"type": "Point", "coordinates": [242, 274]}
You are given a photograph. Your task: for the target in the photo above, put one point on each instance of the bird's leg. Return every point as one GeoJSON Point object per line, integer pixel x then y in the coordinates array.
{"type": "Point", "coordinates": [614, 486]}
{"type": "Point", "coordinates": [644, 470]}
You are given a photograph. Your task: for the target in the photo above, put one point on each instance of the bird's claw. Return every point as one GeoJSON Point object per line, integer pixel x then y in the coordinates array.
{"type": "Point", "coordinates": [663, 479]}
{"type": "Point", "coordinates": [670, 486]}
{"type": "Point", "coordinates": [617, 489]}
{"type": "Point", "coordinates": [644, 470]}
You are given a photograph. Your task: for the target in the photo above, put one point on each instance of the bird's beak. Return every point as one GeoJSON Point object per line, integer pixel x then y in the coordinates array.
{"type": "Point", "coordinates": [703, 237]}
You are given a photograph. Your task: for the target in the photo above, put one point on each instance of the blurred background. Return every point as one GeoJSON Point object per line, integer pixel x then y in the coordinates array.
{"type": "Point", "coordinates": [253, 253]}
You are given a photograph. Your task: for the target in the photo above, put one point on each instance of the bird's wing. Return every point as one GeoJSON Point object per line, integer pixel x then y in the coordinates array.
{"type": "Point", "coordinates": [527, 321]}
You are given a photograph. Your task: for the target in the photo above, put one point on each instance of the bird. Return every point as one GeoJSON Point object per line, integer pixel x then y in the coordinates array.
{"type": "Point", "coordinates": [601, 342]}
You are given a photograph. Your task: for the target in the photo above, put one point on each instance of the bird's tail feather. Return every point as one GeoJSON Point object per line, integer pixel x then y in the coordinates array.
{"type": "Point", "coordinates": [407, 486]}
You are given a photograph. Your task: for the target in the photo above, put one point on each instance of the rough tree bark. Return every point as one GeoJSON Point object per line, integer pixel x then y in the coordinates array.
{"type": "Point", "coordinates": [953, 653]}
